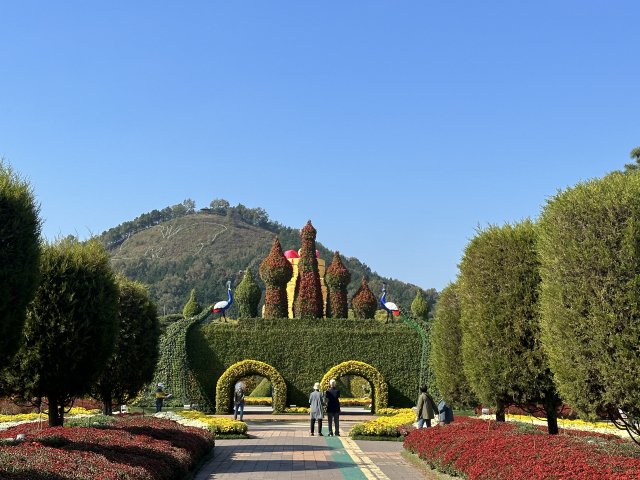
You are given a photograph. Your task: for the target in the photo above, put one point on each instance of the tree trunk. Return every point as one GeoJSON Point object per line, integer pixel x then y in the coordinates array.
{"type": "Point", "coordinates": [500, 411]}
{"type": "Point", "coordinates": [107, 404]}
{"type": "Point", "coordinates": [552, 402]}
{"type": "Point", "coordinates": [55, 419]}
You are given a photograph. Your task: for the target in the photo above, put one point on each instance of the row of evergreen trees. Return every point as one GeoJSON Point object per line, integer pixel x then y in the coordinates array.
{"type": "Point", "coordinates": [69, 327]}
{"type": "Point", "coordinates": [548, 312]}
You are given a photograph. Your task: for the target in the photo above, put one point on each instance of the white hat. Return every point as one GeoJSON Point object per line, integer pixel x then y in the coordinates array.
{"type": "Point", "coordinates": [161, 385]}
{"type": "Point", "coordinates": [316, 386]}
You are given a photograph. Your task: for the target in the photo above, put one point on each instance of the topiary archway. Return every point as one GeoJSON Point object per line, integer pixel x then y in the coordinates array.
{"type": "Point", "coordinates": [224, 388]}
{"type": "Point", "coordinates": [379, 389]}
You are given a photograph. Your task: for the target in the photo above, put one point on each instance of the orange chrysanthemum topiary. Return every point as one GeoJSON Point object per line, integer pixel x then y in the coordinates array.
{"type": "Point", "coordinates": [308, 300]}
{"type": "Point", "coordinates": [364, 303]}
{"type": "Point", "coordinates": [337, 279]}
{"type": "Point", "coordinates": [276, 271]}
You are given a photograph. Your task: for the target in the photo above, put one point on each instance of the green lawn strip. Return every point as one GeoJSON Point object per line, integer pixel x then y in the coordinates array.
{"type": "Point", "coordinates": [344, 462]}
{"type": "Point", "coordinates": [377, 438]}
{"type": "Point", "coordinates": [232, 436]}
{"type": "Point", "coordinates": [422, 465]}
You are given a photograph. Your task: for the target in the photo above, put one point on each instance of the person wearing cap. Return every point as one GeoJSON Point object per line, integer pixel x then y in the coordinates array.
{"type": "Point", "coordinates": [160, 396]}
{"type": "Point", "coordinates": [316, 401]}
{"type": "Point", "coordinates": [333, 407]}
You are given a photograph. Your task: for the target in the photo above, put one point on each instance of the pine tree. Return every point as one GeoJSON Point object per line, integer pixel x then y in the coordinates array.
{"type": "Point", "coordinates": [276, 271]}
{"type": "Point", "coordinates": [308, 302]}
{"type": "Point", "coordinates": [192, 308]}
{"type": "Point", "coordinates": [420, 306]}
{"type": "Point", "coordinates": [248, 296]}
{"type": "Point", "coordinates": [337, 279]}
{"type": "Point", "coordinates": [364, 303]}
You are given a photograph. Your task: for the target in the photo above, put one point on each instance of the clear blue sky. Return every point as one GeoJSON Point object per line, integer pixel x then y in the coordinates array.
{"type": "Point", "coordinates": [396, 127]}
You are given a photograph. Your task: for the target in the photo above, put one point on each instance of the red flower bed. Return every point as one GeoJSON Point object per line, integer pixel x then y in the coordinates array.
{"type": "Point", "coordinates": [480, 449]}
{"type": "Point", "coordinates": [134, 447]}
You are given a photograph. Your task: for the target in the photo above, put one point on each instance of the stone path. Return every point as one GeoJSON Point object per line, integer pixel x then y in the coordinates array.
{"type": "Point", "coordinates": [285, 450]}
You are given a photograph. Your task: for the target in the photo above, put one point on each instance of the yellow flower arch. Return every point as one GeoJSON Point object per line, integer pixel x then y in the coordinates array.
{"type": "Point", "coordinates": [379, 390]}
{"type": "Point", "coordinates": [224, 388]}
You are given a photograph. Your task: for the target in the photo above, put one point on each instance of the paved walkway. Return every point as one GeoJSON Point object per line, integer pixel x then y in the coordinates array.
{"type": "Point", "coordinates": [285, 450]}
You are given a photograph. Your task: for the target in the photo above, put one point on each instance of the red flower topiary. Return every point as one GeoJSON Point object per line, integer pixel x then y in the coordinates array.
{"type": "Point", "coordinates": [308, 299]}
{"type": "Point", "coordinates": [276, 271]}
{"type": "Point", "coordinates": [337, 279]}
{"type": "Point", "coordinates": [364, 302]}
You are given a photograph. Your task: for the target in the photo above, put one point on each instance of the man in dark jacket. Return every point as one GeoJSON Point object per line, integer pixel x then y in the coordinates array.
{"type": "Point", "coordinates": [333, 407]}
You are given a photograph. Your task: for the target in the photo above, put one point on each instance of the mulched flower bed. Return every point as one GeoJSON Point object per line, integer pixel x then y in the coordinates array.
{"type": "Point", "coordinates": [479, 449]}
{"type": "Point", "coordinates": [133, 447]}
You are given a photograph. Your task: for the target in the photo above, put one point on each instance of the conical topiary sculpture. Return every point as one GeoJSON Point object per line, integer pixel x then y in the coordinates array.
{"type": "Point", "coordinates": [420, 306]}
{"type": "Point", "coordinates": [308, 299]}
{"type": "Point", "coordinates": [337, 279]}
{"type": "Point", "coordinates": [276, 271]}
{"type": "Point", "coordinates": [364, 303]}
{"type": "Point", "coordinates": [248, 296]}
{"type": "Point", "coordinates": [192, 308]}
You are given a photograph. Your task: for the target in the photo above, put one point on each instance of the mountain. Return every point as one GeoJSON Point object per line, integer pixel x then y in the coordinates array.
{"type": "Point", "coordinates": [178, 249]}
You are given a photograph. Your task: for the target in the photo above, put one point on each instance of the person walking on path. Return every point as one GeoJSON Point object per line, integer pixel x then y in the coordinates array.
{"type": "Point", "coordinates": [316, 401]}
{"type": "Point", "coordinates": [160, 396]}
{"type": "Point", "coordinates": [426, 407]}
{"type": "Point", "coordinates": [238, 401]}
{"type": "Point", "coordinates": [333, 408]}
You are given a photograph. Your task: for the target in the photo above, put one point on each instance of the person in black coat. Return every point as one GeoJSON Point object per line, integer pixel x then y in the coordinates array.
{"type": "Point", "coordinates": [333, 407]}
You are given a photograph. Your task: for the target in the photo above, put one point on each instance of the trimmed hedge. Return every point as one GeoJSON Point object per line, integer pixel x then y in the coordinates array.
{"type": "Point", "coordinates": [303, 352]}
{"type": "Point", "coordinates": [225, 384]}
{"type": "Point", "coordinates": [380, 393]}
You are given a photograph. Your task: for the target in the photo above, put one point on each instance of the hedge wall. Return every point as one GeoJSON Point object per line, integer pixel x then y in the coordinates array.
{"type": "Point", "coordinates": [303, 352]}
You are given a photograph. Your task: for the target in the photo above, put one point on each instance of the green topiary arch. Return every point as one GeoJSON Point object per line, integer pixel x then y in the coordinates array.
{"type": "Point", "coordinates": [379, 391]}
{"type": "Point", "coordinates": [224, 388]}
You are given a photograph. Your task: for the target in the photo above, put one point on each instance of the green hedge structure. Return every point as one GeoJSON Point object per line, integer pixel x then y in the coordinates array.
{"type": "Point", "coordinates": [379, 390]}
{"type": "Point", "coordinates": [226, 382]}
{"type": "Point", "coordinates": [248, 295]}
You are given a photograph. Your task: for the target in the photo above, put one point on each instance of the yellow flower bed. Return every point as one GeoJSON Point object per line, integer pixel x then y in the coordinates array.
{"type": "Point", "coordinates": [257, 401]}
{"type": "Point", "coordinates": [217, 425]}
{"type": "Point", "coordinates": [24, 417]}
{"type": "Point", "coordinates": [384, 426]}
{"type": "Point", "coordinates": [581, 424]}
{"type": "Point", "coordinates": [297, 410]}
{"type": "Point", "coordinates": [356, 402]}
{"type": "Point", "coordinates": [388, 411]}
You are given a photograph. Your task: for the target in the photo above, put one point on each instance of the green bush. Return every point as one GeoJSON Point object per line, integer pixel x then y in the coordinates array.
{"type": "Point", "coordinates": [94, 421]}
{"type": "Point", "coordinates": [303, 352]}
{"type": "Point", "coordinates": [248, 296]}
{"type": "Point", "coordinates": [263, 389]}
{"type": "Point", "coordinates": [192, 308]}
{"type": "Point", "coordinates": [590, 254]}
{"type": "Point", "coordinates": [420, 306]}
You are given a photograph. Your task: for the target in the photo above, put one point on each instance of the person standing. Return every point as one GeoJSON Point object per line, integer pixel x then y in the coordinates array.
{"type": "Point", "coordinates": [426, 407]}
{"type": "Point", "coordinates": [238, 401]}
{"type": "Point", "coordinates": [333, 408]}
{"type": "Point", "coordinates": [316, 401]}
{"type": "Point", "coordinates": [160, 396]}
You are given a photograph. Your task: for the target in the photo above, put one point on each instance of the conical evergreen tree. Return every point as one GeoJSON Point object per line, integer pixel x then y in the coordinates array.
{"type": "Point", "coordinates": [308, 302]}
{"type": "Point", "coordinates": [337, 279]}
{"type": "Point", "coordinates": [276, 271]}
{"type": "Point", "coordinates": [248, 296]}
{"type": "Point", "coordinates": [192, 308]}
{"type": "Point", "coordinates": [420, 306]}
{"type": "Point", "coordinates": [364, 303]}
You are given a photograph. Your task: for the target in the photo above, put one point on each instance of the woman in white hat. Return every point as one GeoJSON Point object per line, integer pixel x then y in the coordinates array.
{"type": "Point", "coordinates": [316, 401]}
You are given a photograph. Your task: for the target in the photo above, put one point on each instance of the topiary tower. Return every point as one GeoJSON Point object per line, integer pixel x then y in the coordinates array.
{"type": "Point", "coordinates": [308, 300]}
{"type": "Point", "coordinates": [276, 271]}
{"type": "Point", "coordinates": [248, 295]}
{"type": "Point", "coordinates": [364, 302]}
{"type": "Point", "coordinates": [337, 279]}
{"type": "Point", "coordinates": [192, 308]}
{"type": "Point", "coordinates": [420, 307]}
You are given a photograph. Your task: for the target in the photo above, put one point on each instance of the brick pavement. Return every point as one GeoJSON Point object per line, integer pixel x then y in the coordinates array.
{"type": "Point", "coordinates": [285, 450]}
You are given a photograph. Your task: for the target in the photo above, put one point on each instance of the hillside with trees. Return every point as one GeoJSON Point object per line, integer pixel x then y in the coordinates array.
{"type": "Point", "coordinates": [179, 248]}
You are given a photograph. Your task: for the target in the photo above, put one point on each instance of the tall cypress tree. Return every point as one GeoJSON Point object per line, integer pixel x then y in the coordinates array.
{"type": "Point", "coordinates": [308, 302]}
{"type": "Point", "coordinates": [420, 306]}
{"type": "Point", "coordinates": [19, 257]}
{"type": "Point", "coordinates": [337, 279]}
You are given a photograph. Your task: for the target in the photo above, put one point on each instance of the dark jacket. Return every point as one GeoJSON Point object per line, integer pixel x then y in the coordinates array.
{"type": "Point", "coordinates": [238, 396]}
{"type": "Point", "coordinates": [333, 402]}
{"type": "Point", "coordinates": [426, 406]}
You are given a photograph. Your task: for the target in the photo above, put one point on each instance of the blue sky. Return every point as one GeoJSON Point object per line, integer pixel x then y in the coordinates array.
{"type": "Point", "coordinates": [396, 127]}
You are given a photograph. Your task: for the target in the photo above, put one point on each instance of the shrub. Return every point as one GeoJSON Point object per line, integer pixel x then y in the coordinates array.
{"type": "Point", "coordinates": [216, 425]}
{"type": "Point", "coordinates": [19, 257]}
{"type": "Point", "coordinates": [420, 306]}
{"type": "Point", "coordinates": [364, 303]}
{"type": "Point", "coordinates": [248, 296]}
{"type": "Point", "coordinates": [384, 426]}
{"type": "Point", "coordinates": [263, 389]}
{"type": "Point", "coordinates": [337, 279]}
{"type": "Point", "coordinates": [590, 254]}
{"type": "Point", "coordinates": [276, 271]}
{"type": "Point", "coordinates": [308, 301]}
{"type": "Point", "coordinates": [192, 308]}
